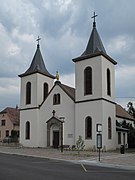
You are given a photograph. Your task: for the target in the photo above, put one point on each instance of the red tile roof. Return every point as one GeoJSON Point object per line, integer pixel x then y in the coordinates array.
{"type": "Point", "coordinates": [122, 113]}
{"type": "Point", "coordinates": [13, 114]}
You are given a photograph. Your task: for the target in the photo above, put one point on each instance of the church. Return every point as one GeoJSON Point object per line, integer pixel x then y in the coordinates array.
{"type": "Point", "coordinates": [54, 114]}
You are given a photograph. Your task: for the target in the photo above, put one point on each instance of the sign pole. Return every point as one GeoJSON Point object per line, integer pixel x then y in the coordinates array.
{"type": "Point", "coordinates": [99, 154]}
{"type": "Point", "coordinates": [99, 138]}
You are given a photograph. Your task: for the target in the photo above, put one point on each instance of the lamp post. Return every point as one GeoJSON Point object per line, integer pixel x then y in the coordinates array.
{"type": "Point", "coordinates": [62, 121]}
{"type": "Point", "coordinates": [99, 137]}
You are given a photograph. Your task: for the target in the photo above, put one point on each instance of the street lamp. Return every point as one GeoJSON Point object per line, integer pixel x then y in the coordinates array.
{"type": "Point", "coordinates": [62, 121]}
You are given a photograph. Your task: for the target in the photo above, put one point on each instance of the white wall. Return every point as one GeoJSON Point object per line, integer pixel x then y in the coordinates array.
{"type": "Point", "coordinates": [37, 80]}
{"type": "Point", "coordinates": [64, 109]}
{"type": "Point", "coordinates": [99, 65]}
{"type": "Point", "coordinates": [32, 117]}
{"type": "Point", "coordinates": [99, 111]}
{"type": "Point", "coordinates": [95, 64]}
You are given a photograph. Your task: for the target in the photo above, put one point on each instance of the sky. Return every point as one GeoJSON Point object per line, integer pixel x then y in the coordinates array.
{"type": "Point", "coordinates": [64, 27]}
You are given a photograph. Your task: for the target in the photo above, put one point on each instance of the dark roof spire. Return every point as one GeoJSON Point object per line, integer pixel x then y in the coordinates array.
{"type": "Point", "coordinates": [94, 44]}
{"type": "Point", "coordinates": [37, 64]}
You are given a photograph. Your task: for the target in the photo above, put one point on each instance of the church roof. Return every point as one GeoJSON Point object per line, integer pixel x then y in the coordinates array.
{"type": "Point", "coordinates": [68, 90]}
{"type": "Point", "coordinates": [37, 65]}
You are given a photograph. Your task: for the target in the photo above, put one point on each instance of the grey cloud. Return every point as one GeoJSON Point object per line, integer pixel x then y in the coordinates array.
{"type": "Point", "coordinates": [64, 35]}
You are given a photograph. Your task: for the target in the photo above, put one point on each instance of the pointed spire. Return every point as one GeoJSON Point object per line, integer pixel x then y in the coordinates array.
{"type": "Point", "coordinates": [94, 44]}
{"type": "Point", "coordinates": [37, 64]}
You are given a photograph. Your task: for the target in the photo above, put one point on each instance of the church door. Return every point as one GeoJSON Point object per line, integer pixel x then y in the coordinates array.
{"type": "Point", "coordinates": [55, 139]}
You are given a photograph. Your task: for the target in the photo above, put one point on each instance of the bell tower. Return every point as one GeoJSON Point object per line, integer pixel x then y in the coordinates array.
{"type": "Point", "coordinates": [95, 90]}
{"type": "Point", "coordinates": [36, 83]}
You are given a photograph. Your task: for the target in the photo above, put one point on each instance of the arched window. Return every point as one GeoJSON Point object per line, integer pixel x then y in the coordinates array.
{"type": "Point", "coordinates": [109, 128]}
{"type": "Point", "coordinates": [88, 81]}
{"type": "Point", "coordinates": [56, 99]}
{"type": "Point", "coordinates": [88, 128]}
{"type": "Point", "coordinates": [27, 130]}
{"type": "Point", "coordinates": [108, 82]}
{"type": "Point", "coordinates": [28, 93]}
{"type": "Point", "coordinates": [45, 91]}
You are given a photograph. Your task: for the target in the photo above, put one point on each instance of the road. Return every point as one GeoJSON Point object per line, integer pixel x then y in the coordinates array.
{"type": "Point", "coordinates": [15, 167]}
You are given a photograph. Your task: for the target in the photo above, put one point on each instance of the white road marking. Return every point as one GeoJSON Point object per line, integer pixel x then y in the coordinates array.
{"type": "Point", "coordinates": [84, 168]}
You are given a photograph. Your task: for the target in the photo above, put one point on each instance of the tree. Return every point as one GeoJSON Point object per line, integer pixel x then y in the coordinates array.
{"type": "Point", "coordinates": [131, 109]}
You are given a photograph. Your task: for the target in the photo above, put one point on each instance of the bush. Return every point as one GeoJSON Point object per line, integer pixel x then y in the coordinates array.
{"type": "Point", "coordinates": [80, 144]}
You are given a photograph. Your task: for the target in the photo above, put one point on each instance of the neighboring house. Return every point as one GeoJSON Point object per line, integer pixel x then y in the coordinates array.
{"type": "Point", "coordinates": [9, 120]}
{"type": "Point", "coordinates": [52, 114]}
{"type": "Point", "coordinates": [121, 115]}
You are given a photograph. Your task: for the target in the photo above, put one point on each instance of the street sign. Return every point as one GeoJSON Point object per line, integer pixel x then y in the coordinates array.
{"type": "Point", "coordinates": [99, 141]}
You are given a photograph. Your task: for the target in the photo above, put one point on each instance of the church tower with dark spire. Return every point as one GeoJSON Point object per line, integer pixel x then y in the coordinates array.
{"type": "Point", "coordinates": [36, 82]}
{"type": "Point", "coordinates": [95, 91]}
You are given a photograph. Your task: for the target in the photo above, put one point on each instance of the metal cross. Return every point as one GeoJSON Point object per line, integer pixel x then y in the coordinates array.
{"type": "Point", "coordinates": [95, 15]}
{"type": "Point", "coordinates": [38, 39]}
{"type": "Point", "coordinates": [54, 112]}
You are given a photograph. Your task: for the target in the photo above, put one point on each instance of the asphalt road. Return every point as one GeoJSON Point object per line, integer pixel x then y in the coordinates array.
{"type": "Point", "coordinates": [15, 167]}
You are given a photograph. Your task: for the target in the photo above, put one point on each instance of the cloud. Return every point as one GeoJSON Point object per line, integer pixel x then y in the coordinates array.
{"type": "Point", "coordinates": [68, 79]}
{"type": "Point", "coordinates": [125, 84]}
{"type": "Point", "coordinates": [64, 27]}
{"type": "Point", "coordinates": [9, 92]}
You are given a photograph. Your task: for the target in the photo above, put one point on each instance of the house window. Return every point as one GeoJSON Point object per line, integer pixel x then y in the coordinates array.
{"type": "Point", "coordinates": [7, 133]}
{"type": "Point", "coordinates": [28, 93]}
{"type": "Point", "coordinates": [108, 82]}
{"type": "Point", "coordinates": [119, 137]}
{"type": "Point", "coordinates": [45, 91]}
{"type": "Point", "coordinates": [88, 81]}
{"type": "Point", "coordinates": [3, 122]}
{"type": "Point", "coordinates": [27, 130]}
{"type": "Point", "coordinates": [56, 99]}
{"type": "Point", "coordinates": [88, 128]}
{"type": "Point", "coordinates": [109, 128]}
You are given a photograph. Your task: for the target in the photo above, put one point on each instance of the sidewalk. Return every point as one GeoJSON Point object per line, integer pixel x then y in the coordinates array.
{"type": "Point", "coordinates": [108, 159]}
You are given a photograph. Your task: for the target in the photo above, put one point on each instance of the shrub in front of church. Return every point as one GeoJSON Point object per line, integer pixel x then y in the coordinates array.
{"type": "Point", "coordinates": [80, 144]}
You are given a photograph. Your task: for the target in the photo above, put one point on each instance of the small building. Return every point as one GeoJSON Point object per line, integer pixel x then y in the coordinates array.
{"type": "Point", "coordinates": [122, 133]}
{"type": "Point", "coordinates": [9, 120]}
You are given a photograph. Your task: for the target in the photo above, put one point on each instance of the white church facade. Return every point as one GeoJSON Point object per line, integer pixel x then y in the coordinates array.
{"type": "Point", "coordinates": [53, 114]}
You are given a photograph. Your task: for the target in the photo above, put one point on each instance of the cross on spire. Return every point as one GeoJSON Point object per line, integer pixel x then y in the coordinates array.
{"type": "Point", "coordinates": [94, 17]}
{"type": "Point", "coordinates": [38, 39]}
